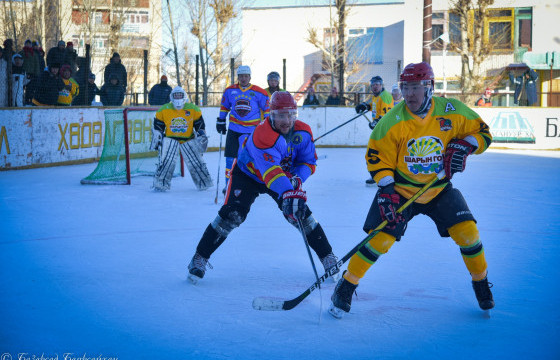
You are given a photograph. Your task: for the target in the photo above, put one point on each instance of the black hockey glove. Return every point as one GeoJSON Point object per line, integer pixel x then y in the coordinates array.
{"type": "Point", "coordinates": [388, 201]}
{"type": "Point", "coordinates": [373, 124]}
{"type": "Point", "coordinates": [293, 205]}
{"type": "Point", "coordinates": [221, 126]}
{"type": "Point", "coordinates": [360, 108]}
{"type": "Point", "coordinates": [455, 158]}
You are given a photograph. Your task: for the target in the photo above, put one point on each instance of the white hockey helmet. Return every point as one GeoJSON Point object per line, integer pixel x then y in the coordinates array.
{"type": "Point", "coordinates": [178, 97]}
{"type": "Point", "coordinates": [243, 70]}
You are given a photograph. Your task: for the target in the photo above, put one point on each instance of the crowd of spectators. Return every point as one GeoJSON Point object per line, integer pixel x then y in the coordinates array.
{"type": "Point", "coordinates": [58, 78]}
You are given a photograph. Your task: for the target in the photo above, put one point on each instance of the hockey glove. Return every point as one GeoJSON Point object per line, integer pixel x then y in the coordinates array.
{"type": "Point", "coordinates": [157, 139]}
{"type": "Point", "coordinates": [295, 180]}
{"type": "Point", "coordinates": [293, 205]}
{"type": "Point", "coordinates": [221, 126]}
{"type": "Point", "coordinates": [202, 140]}
{"type": "Point", "coordinates": [373, 124]}
{"type": "Point", "coordinates": [455, 158]}
{"type": "Point", "coordinates": [388, 202]}
{"type": "Point", "coordinates": [360, 108]}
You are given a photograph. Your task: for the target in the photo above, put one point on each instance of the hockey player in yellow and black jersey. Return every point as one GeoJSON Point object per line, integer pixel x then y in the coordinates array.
{"type": "Point", "coordinates": [412, 143]}
{"type": "Point", "coordinates": [275, 159]}
{"type": "Point", "coordinates": [179, 126]}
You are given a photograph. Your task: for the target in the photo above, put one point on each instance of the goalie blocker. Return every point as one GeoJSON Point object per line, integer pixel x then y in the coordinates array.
{"type": "Point", "coordinates": [179, 126]}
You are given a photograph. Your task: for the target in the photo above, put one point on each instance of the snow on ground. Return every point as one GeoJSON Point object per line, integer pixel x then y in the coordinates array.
{"type": "Point", "coordinates": [99, 271]}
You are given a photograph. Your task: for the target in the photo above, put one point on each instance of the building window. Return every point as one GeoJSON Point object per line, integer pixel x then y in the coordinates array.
{"type": "Point", "coordinates": [498, 29]}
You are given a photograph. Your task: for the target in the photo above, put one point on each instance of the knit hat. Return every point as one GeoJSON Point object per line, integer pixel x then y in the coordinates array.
{"type": "Point", "coordinates": [27, 42]}
{"type": "Point", "coordinates": [70, 43]}
{"type": "Point", "coordinates": [115, 54]}
{"type": "Point", "coordinates": [61, 42]}
{"type": "Point", "coordinates": [163, 78]}
{"type": "Point", "coordinates": [36, 43]}
{"type": "Point", "coordinates": [15, 57]}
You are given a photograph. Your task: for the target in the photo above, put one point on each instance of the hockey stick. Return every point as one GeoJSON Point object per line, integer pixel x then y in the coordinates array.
{"type": "Point", "coordinates": [218, 177]}
{"type": "Point", "coordinates": [263, 303]}
{"type": "Point", "coordinates": [300, 225]}
{"type": "Point", "coordinates": [339, 126]}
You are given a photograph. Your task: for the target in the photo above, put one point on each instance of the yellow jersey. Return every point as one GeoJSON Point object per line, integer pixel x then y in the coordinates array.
{"type": "Point", "coordinates": [411, 149]}
{"type": "Point", "coordinates": [179, 124]}
{"type": "Point", "coordinates": [380, 104]}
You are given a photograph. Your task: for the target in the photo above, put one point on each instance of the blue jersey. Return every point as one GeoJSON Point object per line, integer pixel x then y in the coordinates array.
{"type": "Point", "coordinates": [246, 107]}
{"type": "Point", "coordinates": [269, 157]}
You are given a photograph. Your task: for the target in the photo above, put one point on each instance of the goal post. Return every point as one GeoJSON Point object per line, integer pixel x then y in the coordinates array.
{"type": "Point", "coordinates": [126, 147]}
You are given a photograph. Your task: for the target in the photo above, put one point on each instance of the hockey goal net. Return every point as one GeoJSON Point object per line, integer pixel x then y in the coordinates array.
{"type": "Point", "coordinates": [126, 148]}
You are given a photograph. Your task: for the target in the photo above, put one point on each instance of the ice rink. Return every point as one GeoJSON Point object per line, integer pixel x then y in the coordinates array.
{"type": "Point", "coordinates": [100, 271]}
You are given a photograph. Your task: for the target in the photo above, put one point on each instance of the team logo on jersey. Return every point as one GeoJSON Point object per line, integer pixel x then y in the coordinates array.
{"type": "Point", "coordinates": [449, 107]}
{"type": "Point", "coordinates": [297, 139]}
{"type": "Point", "coordinates": [425, 155]}
{"type": "Point", "coordinates": [187, 113]}
{"type": "Point", "coordinates": [237, 192]}
{"type": "Point", "coordinates": [444, 124]}
{"type": "Point", "coordinates": [243, 107]}
{"type": "Point", "coordinates": [179, 125]}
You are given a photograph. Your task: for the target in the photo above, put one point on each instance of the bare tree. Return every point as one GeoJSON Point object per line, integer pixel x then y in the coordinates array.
{"type": "Point", "coordinates": [472, 47]}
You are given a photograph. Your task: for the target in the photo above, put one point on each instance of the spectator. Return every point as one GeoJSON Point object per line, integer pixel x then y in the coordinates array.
{"type": "Point", "coordinates": [70, 56]}
{"type": "Point", "coordinates": [484, 99]}
{"type": "Point", "coordinates": [396, 93]}
{"type": "Point", "coordinates": [71, 88]}
{"type": "Point", "coordinates": [159, 93]}
{"type": "Point", "coordinates": [56, 54]}
{"type": "Point", "coordinates": [31, 65]}
{"type": "Point", "coordinates": [19, 80]}
{"type": "Point", "coordinates": [8, 50]}
{"type": "Point", "coordinates": [311, 99]}
{"type": "Point", "coordinates": [117, 68]}
{"type": "Point", "coordinates": [273, 80]}
{"type": "Point", "coordinates": [112, 93]}
{"type": "Point", "coordinates": [3, 80]}
{"type": "Point", "coordinates": [37, 49]}
{"type": "Point", "coordinates": [333, 99]}
{"type": "Point", "coordinates": [48, 86]}
{"type": "Point", "coordinates": [92, 90]}
{"type": "Point", "coordinates": [525, 87]}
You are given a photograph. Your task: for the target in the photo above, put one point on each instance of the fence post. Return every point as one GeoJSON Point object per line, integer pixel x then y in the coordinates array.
{"type": "Point", "coordinates": [284, 74]}
{"type": "Point", "coordinates": [86, 76]}
{"type": "Point", "coordinates": [145, 75]}
{"type": "Point", "coordinates": [232, 68]}
{"type": "Point", "coordinates": [196, 80]}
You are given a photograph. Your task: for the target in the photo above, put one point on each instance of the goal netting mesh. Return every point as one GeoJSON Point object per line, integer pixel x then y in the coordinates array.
{"type": "Point", "coordinates": [112, 165]}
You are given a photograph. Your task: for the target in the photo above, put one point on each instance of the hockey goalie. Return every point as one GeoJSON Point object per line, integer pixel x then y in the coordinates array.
{"type": "Point", "coordinates": [179, 126]}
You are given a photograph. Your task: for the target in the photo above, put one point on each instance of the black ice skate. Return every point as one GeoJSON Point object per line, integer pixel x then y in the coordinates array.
{"type": "Point", "coordinates": [483, 293]}
{"type": "Point", "coordinates": [328, 262]}
{"type": "Point", "coordinates": [197, 268]}
{"type": "Point", "coordinates": [342, 298]}
{"type": "Point", "coordinates": [370, 182]}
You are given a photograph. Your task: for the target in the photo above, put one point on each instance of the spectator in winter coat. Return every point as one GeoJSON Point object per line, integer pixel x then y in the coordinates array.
{"type": "Point", "coordinates": [8, 50]}
{"type": "Point", "coordinates": [19, 80]}
{"type": "Point", "coordinates": [525, 88]}
{"type": "Point", "coordinates": [311, 98]}
{"type": "Point", "coordinates": [37, 49]}
{"type": "Point", "coordinates": [485, 100]}
{"type": "Point", "coordinates": [56, 54]}
{"type": "Point", "coordinates": [92, 90]}
{"type": "Point", "coordinates": [333, 99]}
{"type": "Point", "coordinates": [159, 93]}
{"type": "Point", "coordinates": [3, 80]}
{"type": "Point", "coordinates": [117, 68]}
{"type": "Point", "coordinates": [48, 86]}
{"type": "Point", "coordinates": [70, 56]}
{"type": "Point", "coordinates": [112, 93]}
{"type": "Point", "coordinates": [71, 88]}
{"type": "Point", "coordinates": [31, 65]}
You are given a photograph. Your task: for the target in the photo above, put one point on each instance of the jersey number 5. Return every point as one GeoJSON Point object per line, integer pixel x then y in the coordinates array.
{"type": "Point", "coordinates": [372, 156]}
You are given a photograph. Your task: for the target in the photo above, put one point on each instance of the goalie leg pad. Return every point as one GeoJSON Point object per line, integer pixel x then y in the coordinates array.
{"type": "Point", "coordinates": [196, 165]}
{"type": "Point", "coordinates": [166, 164]}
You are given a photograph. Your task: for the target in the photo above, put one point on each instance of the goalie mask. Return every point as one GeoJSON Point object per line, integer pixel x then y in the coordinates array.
{"type": "Point", "coordinates": [417, 86]}
{"type": "Point", "coordinates": [283, 111]}
{"type": "Point", "coordinates": [178, 97]}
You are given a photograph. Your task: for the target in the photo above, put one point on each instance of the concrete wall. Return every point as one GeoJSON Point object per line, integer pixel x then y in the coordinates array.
{"type": "Point", "coordinates": [34, 137]}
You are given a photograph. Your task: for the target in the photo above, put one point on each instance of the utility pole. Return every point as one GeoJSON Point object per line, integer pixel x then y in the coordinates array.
{"type": "Point", "coordinates": [427, 34]}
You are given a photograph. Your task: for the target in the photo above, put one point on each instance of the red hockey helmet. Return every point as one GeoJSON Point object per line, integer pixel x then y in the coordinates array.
{"type": "Point", "coordinates": [283, 105]}
{"type": "Point", "coordinates": [417, 72]}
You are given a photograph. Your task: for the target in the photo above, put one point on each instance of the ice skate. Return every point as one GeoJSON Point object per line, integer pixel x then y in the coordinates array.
{"type": "Point", "coordinates": [197, 268]}
{"type": "Point", "coordinates": [342, 298]}
{"type": "Point", "coordinates": [370, 182]}
{"type": "Point", "coordinates": [483, 294]}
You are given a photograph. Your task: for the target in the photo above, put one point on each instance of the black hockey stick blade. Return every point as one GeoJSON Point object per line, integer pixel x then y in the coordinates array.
{"type": "Point", "coordinates": [268, 304]}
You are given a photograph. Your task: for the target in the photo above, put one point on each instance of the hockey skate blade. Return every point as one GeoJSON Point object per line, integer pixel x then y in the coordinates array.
{"type": "Point", "coordinates": [336, 312]}
{"type": "Point", "coordinates": [267, 304]}
{"type": "Point", "coordinates": [193, 279]}
{"type": "Point", "coordinates": [486, 314]}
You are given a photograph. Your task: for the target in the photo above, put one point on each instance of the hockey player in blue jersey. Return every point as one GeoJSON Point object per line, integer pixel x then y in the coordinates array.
{"type": "Point", "coordinates": [247, 106]}
{"type": "Point", "coordinates": [275, 159]}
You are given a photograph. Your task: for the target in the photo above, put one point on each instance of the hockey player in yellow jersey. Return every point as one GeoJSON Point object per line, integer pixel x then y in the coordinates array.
{"type": "Point", "coordinates": [417, 139]}
{"type": "Point", "coordinates": [380, 104]}
{"type": "Point", "coordinates": [179, 126]}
